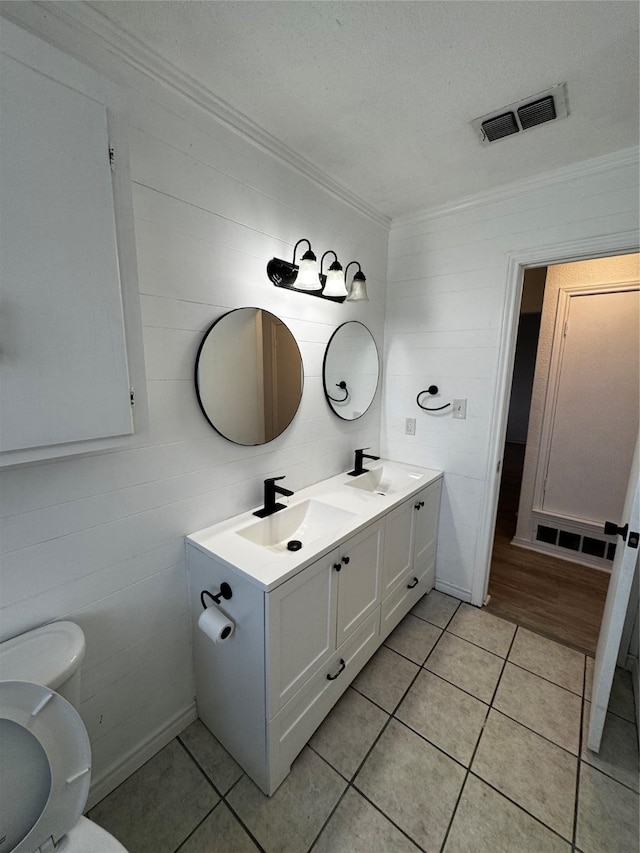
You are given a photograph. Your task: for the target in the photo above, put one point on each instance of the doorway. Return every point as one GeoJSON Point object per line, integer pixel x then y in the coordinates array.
{"type": "Point", "coordinates": [544, 570]}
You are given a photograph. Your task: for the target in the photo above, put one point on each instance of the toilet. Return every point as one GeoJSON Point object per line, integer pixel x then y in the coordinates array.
{"type": "Point", "coordinates": [45, 770]}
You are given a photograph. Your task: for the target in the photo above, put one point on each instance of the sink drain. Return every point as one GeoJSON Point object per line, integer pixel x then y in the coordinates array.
{"type": "Point", "coordinates": [294, 545]}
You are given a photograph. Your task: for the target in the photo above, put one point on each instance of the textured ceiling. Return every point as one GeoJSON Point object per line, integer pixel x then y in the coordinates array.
{"type": "Point", "coordinates": [379, 95]}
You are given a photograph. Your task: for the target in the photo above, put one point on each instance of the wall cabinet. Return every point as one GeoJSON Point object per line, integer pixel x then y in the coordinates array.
{"type": "Point", "coordinates": [70, 330]}
{"type": "Point", "coordinates": [296, 648]}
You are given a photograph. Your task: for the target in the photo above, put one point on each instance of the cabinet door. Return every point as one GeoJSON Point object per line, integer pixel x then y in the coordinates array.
{"type": "Point", "coordinates": [69, 327]}
{"type": "Point", "coordinates": [358, 570]}
{"type": "Point", "coordinates": [301, 629]}
{"type": "Point", "coordinates": [398, 545]}
{"type": "Point", "coordinates": [426, 527]}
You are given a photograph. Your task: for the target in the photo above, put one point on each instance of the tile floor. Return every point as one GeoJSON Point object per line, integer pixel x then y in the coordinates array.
{"type": "Point", "coordinates": [463, 733]}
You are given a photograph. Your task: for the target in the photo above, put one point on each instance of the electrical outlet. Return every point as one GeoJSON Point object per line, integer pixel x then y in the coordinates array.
{"type": "Point", "coordinates": [460, 409]}
{"type": "Point", "coordinates": [410, 426]}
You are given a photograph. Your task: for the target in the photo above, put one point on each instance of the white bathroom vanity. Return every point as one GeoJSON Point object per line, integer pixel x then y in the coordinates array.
{"type": "Point", "coordinates": [306, 620]}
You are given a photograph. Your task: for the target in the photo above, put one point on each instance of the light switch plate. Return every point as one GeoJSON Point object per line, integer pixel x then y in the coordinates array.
{"type": "Point", "coordinates": [460, 409]}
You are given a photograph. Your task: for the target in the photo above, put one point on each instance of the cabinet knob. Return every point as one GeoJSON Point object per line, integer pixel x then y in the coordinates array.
{"type": "Point", "coordinates": [345, 560]}
{"type": "Point", "coordinates": [333, 677]}
{"type": "Point", "coordinates": [416, 506]}
{"type": "Point", "coordinates": [411, 585]}
{"type": "Point", "coordinates": [337, 566]}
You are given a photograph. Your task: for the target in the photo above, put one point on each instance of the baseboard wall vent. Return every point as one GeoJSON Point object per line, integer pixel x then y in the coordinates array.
{"type": "Point", "coordinates": [570, 540]}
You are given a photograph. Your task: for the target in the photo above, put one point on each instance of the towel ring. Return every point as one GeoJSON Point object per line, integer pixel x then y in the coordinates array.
{"type": "Point", "coordinates": [343, 386]}
{"type": "Point", "coordinates": [432, 389]}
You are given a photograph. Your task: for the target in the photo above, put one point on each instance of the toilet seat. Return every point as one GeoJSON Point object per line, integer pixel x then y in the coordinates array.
{"type": "Point", "coordinates": [40, 725]}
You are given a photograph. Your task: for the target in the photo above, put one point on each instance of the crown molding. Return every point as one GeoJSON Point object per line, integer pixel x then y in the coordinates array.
{"type": "Point", "coordinates": [88, 22]}
{"type": "Point", "coordinates": [605, 163]}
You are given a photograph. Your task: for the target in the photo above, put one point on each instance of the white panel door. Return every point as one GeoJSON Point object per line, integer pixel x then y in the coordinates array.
{"type": "Point", "coordinates": [398, 545]}
{"type": "Point", "coordinates": [595, 421]}
{"type": "Point", "coordinates": [359, 584]}
{"type": "Point", "coordinates": [615, 609]}
{"type": "Point", "coordinates": [63, 367]}
{"type": "Point", "coordinates": [301, 624]}
{"type": "Point", "coordinates": [426, 527]}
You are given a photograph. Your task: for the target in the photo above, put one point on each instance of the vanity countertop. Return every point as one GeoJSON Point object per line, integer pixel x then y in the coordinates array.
{"type": "Point", "coordinates": [328, 513]}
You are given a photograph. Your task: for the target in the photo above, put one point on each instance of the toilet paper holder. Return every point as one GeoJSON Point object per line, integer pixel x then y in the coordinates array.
{"type": "Point", "coordinates": [225, 592]}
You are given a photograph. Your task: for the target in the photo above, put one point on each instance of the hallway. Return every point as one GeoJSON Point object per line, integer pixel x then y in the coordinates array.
{"type": "Point", "coordinates": [557, 598]}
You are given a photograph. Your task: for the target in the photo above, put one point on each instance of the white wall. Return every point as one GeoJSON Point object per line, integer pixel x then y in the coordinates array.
{"type": "Point", "coordinates": [99, 539]}
{"type": "Point", "coordinates": [447, 290]}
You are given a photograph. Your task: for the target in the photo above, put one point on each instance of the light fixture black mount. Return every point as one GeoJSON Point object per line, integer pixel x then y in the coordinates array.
{"type": "Point", "coordinates": [288, 274]}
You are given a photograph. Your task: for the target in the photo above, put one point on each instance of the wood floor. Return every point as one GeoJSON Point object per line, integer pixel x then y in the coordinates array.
{"type": "Point", "coordinates": [554, 597]}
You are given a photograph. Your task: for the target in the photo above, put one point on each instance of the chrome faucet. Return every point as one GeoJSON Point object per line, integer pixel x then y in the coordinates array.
{"type": "Point", "coordinates": [270, 492]}
{"type": "Point", "coordinates": [358, 468]}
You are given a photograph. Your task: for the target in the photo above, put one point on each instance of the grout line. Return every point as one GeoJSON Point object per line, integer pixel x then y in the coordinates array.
{"type": "Point", "coordinates": [237, 816]}
{"type": "Point", "coordinates": [457, 686]}
{"type": "Point", "coordinates": [548, 680]}
{"type": "Point", "coordinates": [335, 808]}
{"type": "Point", "coordinates": [198, 765]}
{"type": "Point", "coordinates": [475, 750]}
{"type": "Point", "coordinates": [386, 817]}
{"type": "Point", "coordinates": [534, 732]}
{"type": "Point", "coordinates": [223, 797]}
{"type": "Point", "coordinates": [518, 805]}
{"type": "Point", "coordinates": [578, 768]}
{"type": "Point", "coordinates": [197, 827]}
{"type": "Point", "coordinates": [608, 775]}
{"type": "Point", "coordinates": [375, 741]}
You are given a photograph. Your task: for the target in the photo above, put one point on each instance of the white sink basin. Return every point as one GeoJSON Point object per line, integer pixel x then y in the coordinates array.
{"type": "Point", "coordinates": [385, 480]}
{"type": "Point", "coordinates": [304, 523]}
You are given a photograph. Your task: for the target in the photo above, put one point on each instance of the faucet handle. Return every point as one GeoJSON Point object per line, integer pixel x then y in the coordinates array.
{"type": "Point", "coordinates": [274, 479]}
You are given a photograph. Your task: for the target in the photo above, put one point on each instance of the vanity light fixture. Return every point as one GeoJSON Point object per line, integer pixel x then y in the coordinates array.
{"type": "Point", "coordinates": [358, 288]}
{"type": "Point", "coordinates": [333, 283]}
{"type": "Point", "coordinates": [302, 276]}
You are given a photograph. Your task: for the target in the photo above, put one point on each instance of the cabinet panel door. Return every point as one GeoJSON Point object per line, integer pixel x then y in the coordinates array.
{"type": "Point", "coordinates": [64, 372]}
{"type": "Point", "coordinates": [398, 545]}
{"type": "Point", "coordinates": [426, 527]}
{"type": "Point", "coordinates": [359, 579]}
{"type": "Point", "coordinates": [301, 620]}
{"type": "Point", "coordinates": [289, 731]}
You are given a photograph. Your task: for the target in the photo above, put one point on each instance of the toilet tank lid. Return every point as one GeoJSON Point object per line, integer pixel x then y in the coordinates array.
{"type": "Point", "coordinates": [48, 655]}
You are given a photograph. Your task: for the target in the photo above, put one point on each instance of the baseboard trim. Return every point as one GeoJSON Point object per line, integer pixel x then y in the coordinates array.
{"type": "Point", "coordinates": [453, 590]}
{"type": "Point", "coordinates": [560, 554]}
{"type": "Point", "coordinates": [634, 668]}
{"type": "Point", "coordinates": [135, 758]}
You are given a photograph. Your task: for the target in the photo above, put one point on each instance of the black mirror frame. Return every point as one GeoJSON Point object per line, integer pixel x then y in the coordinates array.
{"type": "Point", "coordinates": [324, 364]}
{"type": "Point", "coordinates": [197, 387]}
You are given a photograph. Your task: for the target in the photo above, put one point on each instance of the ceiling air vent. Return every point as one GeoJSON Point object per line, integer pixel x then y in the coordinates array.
{"type": "Point", "coordinates": [523, 115]}
{"type": "Point", "coordinates": [503, 125]}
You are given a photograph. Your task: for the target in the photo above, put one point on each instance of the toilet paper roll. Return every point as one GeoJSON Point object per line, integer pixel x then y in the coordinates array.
{"type": "Point", "coordinates": [215, 624]}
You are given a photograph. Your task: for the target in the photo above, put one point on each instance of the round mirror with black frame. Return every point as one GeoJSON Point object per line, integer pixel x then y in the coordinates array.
{"type": "Point", "coordinates": [351, 370]}
{"type": "Point", "coordinates": [249, 376]}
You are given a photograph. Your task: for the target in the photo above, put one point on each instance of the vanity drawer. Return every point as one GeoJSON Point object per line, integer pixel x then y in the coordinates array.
{"type": "Point", "coordinates": [396, 606]}
{"type": "Point", "coordinates": [292, 727]}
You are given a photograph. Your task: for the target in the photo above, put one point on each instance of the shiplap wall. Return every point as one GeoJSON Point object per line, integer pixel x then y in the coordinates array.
{"type": "Point", "coordinates": [447, 288]}
{"type": "Point", "coordinates": [99, 539]}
